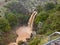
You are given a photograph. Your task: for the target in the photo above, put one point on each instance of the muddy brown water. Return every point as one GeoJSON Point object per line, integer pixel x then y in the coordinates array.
{"type": "Point", "coordinates": [24, 32]}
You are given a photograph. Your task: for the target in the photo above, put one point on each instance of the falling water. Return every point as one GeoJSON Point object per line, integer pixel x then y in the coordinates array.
{"type": "Point", "coordinates": [31, 20]}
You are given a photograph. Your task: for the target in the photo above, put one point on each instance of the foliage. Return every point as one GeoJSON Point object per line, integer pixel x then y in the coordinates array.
{"type": "Point", "coordinates": [51, 24]}
{"type": "Point", "coordinates": [58, 8]}
{"type": "Point", "coordinates": [39, 8]}
{"type": "Point", "coordinates": [17, 7]}
{"type": "Point", "coordinates": [22, 19]}
{"type": "Point", "coordinates": [49, 6]}
{"type": "Point", "coordinates": [11, 18]}
{"type": "Point", "coordinates": [49, 16]}
{"type": "Point", "coordinates": [4, 25]}
{"type": "Point", "coordinates": [35, 40]}
{"type": "Point", "coordinates": [41, 17]}
{"type": "Point", "coordinates": [7, 37]}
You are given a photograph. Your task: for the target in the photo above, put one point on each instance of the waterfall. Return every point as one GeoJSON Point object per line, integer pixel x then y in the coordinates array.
{"type": "Point", "coordinates": [24, 32]}
{"type": "Point", "coordinates": [31, 20]}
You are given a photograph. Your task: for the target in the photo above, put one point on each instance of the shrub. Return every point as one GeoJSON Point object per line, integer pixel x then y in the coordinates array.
{"type": "Point", "coordinates": [49, 6]}
{"type": "Point", "coordinates": [11, 18]}
{"type": "Point", "coordinates": [4, 25]}
{"type": "Point", "coordinates": [41, 17]}
{"type": "Point", "coordinates": [39, 8]}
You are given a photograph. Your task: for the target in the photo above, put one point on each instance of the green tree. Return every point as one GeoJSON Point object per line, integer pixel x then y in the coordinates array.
{"type": "Point", "coordinates": [58, 8]}
{"type": "Point", "coordinates": [34, 41]}
{"type": "Point", "coordinates": [22, 19]}
{"type": "Point", "coordinates": [41, 17]}
{"type": "Point", "coordinates": [49, 6]}
{"type": "Point", "coordinates": [4, 25]}
{"type": "Point", "coordinates": [39, 8]}
{"type": "Point", "coordinates": [51, 24]}
{"type": "Point", "coordinates": [11, 18]}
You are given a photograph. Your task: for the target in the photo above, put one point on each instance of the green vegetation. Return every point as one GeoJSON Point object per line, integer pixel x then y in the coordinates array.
{"type": "Point", "coordinates": [35, 41]}
{"type": "Point", "coordinates": [48, 15]}
{"type": "Point", "coordinates": [9, 22]}
{"type": "Point", "coordinates": [49, 6]}
{"type": "Point", "coordinates": [50, 19]}
{"type": "Point", "coordinates": [22, 19]}
{"type": "Point", "coordinates": [11, 18]}
{"type": "Point", "coordinates": [41, 17]}
{"type": "Point", "coordinates": [39, 8]}
{"type": "Point", "coordinates": [4, 25]}
{"type": "Point", "coordinates": [38, 40]}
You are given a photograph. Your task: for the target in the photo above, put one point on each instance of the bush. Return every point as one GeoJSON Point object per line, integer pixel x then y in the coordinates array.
{"type": "Point", "coordinates": [35, 41]}
{"type": "Point", "coordinates": [4, 25]}
{"type": "Point", "coordinates": [51, 24]}
{"type": "Point", "coordinates": [16, 7]}
{"type": "Point", "coordinates": [39, 8]}
{"type": "Point", "coordinates": [41, 17]}
{"type": "Point", "coordinates": [49, 6]}
{"type": "Point", "coordinates": [58, 8]}
{"type": "Point", "coordinates": [22, 19]}
{"type": "Point", "coordinates": [11, 18]}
